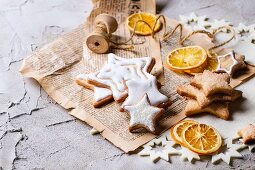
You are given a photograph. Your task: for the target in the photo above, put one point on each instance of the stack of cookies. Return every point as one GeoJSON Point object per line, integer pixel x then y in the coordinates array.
{"type": "Point", "coordinates": [128, 81]}
{"type": "Point", "coordinates": [209, 92]}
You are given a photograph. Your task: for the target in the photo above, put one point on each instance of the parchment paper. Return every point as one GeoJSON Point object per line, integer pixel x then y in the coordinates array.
{"type": "Point", "coordinates": [56, 65]}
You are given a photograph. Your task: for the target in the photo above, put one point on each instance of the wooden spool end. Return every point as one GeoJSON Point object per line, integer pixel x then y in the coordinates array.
{"type": "Point", "coordinates": [99, 42]}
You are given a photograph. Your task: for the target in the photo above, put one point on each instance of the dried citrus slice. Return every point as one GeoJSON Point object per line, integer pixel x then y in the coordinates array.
{"type": "Point", "coordinates": [202, 138]}
{"type": "Point", "coordinates": [176, 130]}
{"type": "Point", "coordinates": [141, 27]}
{"type": "Point", "coordinates": [186, 58]}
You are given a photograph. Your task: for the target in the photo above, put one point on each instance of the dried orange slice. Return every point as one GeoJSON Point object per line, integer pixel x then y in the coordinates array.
{"type": "Point", "coordinates": [202, 138]}
{"type": "Point", "coordinates": [186, 58]}
{"type": "Point", "coordinates": [141, 27]}
{"type": "Point", "coordinates": [177, 130]}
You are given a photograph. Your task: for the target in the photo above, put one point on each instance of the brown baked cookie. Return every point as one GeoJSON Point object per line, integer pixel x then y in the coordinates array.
{"type": "Point", "coordinates": [219, 109]}
{"type": "Point", "coordinates": [230, 63]}
{"type": "Point", "coordinates": [143, 115]}
{"type": "Point", "coordinates": [117, 71]}
{"type": "Point", "coordinates": [198, 94]}
{"type": "Point", "coordinates": [247, 133]}
{"type": "Point", "coordinates": [212, 83]}
{"type": "Point", "coordinates": [101, 95]}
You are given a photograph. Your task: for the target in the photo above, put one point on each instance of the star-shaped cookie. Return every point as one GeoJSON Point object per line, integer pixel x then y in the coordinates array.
{"type": "Point", "coordinates": [118, 70]}
{"type": "Point", "coordinates": [148, 85]}
{"type": "Point", "coordinates": [248, 133]}
{"type": "Point", "coordinates": [219, 109]}
{"type": "Point", "coordinates": [195, 93]}
{"type": "Point", "coordinates": [212, 83]}
{"type": "Point", "coordinates": [143, 115]}
{"type": "Point", "coordinates": [230, 62]}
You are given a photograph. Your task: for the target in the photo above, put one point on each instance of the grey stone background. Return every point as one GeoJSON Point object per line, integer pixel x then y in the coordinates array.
{"type": "Point", "coordinates": [36, 133]}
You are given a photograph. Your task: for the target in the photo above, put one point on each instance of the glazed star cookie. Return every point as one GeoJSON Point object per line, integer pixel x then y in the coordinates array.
{"type": "Point", "coordinates": [137, 90]}
{"type": "Point", "coordinates": [212, 83]}
{"type": "Point", "coordinates": [247, 133]}
{"type": "Point", "coordinates": [101, 95]}
{"type": "Point", "coordinates": [203, 101]}
{"type": "Point", "coordinates": [117, 71]}
{"type": "Point", "coordinates": [219, 109]}
{"type": "Point", "coordinates": [230, 63]}
{"type": "Point", "coordinates": [143, 115]}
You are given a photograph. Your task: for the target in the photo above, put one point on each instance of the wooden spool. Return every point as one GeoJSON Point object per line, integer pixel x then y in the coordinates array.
{"type": "Point", "coordinates": [99, 40]}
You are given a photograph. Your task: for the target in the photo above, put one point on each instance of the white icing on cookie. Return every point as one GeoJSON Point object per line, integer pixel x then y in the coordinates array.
{"type": "Point", "coordinates": [99, 92]}
{"type": "Point", "coordinates": [230, 69]}
{"type": "Point", "coordinates": [137, 89]}
{"type": "Point", "coordinates": [118, 70]}
{"type": "Point", "coordinates": [143, 114]}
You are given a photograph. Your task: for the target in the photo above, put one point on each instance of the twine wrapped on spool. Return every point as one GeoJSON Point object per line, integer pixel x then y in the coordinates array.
{"type": "Point", "coordinates": [99, 40]}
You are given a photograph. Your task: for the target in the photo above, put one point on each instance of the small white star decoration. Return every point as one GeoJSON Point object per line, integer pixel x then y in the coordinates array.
{"type": "Point", "coordinates": [159, 149]}
{"type": "Point", "coordinates": [243, 43]}
{"type": "Point", "coordinates": [162, 147]}
{"type": "Point", "coordinates": [231, 151]}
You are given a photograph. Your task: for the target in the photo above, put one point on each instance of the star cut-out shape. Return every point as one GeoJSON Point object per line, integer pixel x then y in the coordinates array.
{"type": "Point", "coordinates": [100, 94]}
{"type": "Point", "coordinates": [143, 115]}
{"type": "Point", "coordinates": [231, 152]}
{"type": "Point", "coordinates": [250, 146]}
{"type": "Point", "coordinates": [195, 22]}
{"type": "Point", "coordinates": [219, 23]}
{"type": "Point", "coordinates": [165, 146]}
{"type": "Point", "coordinates": [187, 154]}
{"type": "Point", "coordinates": [222, 58]}
{"type": "Point", "coordinates": [247, 133]}
{"type": "Point", "coordinates": [244, 32]}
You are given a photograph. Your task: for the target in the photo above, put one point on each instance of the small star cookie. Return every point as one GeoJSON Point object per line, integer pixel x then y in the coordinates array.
{"type": "Point", "coordinates": [143, 115]}
{"type": "Point", "coordinates": [148, 85]}
{"type": "Point", "coordinates": [248, 133]}
{"type": "Point", "coordinates": [203, 101]}
{"type": "Point", "coordinates": [219, 109]}
{"type": "Point", "coordinates": [212, 83]}
{"type": "Point", "coordinates": [230, 62]}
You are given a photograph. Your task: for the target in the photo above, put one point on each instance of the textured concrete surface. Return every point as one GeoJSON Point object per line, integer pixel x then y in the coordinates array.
{"type": "Point", "coordinates": [35, 133]}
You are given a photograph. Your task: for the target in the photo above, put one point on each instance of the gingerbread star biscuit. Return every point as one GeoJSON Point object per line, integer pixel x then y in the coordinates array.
{"type": "Point", "coordinates": [147, 85]}
{"type": "Point", "coordinates": [248, 133]}
{"type": "Point", "coordinates": [118, 70]}
{"type": "Point", "coordinates": [101, 95]}
{"type": "Point", "coordinates": [230, 63]}
{"type": "Point", "coordinates": [143, 115]}
{"type": "Point", "coordinates": [212, 83]}
{"type": "Point", "coordinates": [218, 109]}
{"type": "Point", "coordinates": [198, 94]}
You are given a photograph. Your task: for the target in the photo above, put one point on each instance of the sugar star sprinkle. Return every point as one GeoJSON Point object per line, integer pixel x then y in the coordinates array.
{"type": "Point", "coordinates": [143, 115]}
{"type": "Point", "coordinates": [159, 149]}
{"type": "Point", "coordinates": [231, 152]}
